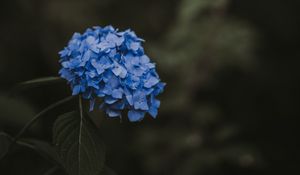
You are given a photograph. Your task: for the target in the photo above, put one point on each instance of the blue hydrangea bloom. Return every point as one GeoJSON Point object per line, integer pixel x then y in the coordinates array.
{"type": "Point", "coordinates": [112, 65]}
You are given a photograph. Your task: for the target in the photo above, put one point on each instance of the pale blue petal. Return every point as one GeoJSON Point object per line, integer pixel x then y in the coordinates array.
{"type": "Point", "coordinates": [129, 99]}
{"type": "Point", "coordinates": [151, 81]}
{"type": "Point", "coordinates": [133, 45]}
{"type": "Point", "coordinates": [76, 90]}
{"type": "Point", "coordinates": [113, 113]}
{"type": "Point", "coordinates": [110, 100]}
{"type": "Point", "coordinates": [153, 112]}
{"type": "Point", "coordinates": [135, 116]}
{"type": "Point", "coordinates": [92, 104]}
{"type": "Point", "coordinates": [145, 59]}
{"type": "Point", "coordinates": [117, 93]}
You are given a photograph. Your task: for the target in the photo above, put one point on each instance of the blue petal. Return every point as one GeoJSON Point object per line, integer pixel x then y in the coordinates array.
{"type": "Point", "coordinates": [66, 64]}
{"type": "Point", "coordinates": [151, 81]}
{"type": "Point", "coordinates": [129, 99]}
{"type": "Point", "coordinates": [92, 104]}
{"type": "Point", "coordinates": [154, 106]}
{"type": "Point", "coordinates": [132, 82]}
{"type": "Point", "coordinates": [73, 63]}
{"type": "Point", "coordinates": [113, 113]}
{"type": "Point", "coordinates": [154, 102]}
{"type": "Point", "coordinates": [118, 105]}
{"type": "Point", "coordinates": [105, 62]}
{"type": "Point", "coordinates": [76, 89]}
{"type": "Point", "coordinates": [112, 81]}
{"type": "Point", "coordinates": [159, 88]}
{"type": "Point", "coordinates": [153, 112]}
{"type": "Point", "coordinates": [76, 36]}
{"type": "Point", "coordinates": [98, 67]}
{"type": "Point", "coordinates": [100, 93]}
{"type": "Point", "coordinates": [123, 73]}
{"type": "Point", "coordinates": [128, 96]}
{"type": "Point", "coordinates": [145, 59]}
{"type": "Point", "coordinates": [112, 38]}
{"type": "Point", "coordinates": [135, 116]}
{"type": "Point", "coordinates": [64, 52]}
{"type": "Point", "coordinates": [137, 71]}
{"type": "Point", "coordinates": [79, 71]}
{"type": "Point", "coordinates": [85, 58]}
{"type": "Point", "coordinates": [93, 84]}
{"type": "Point", "coordinates": [134, 60]}
{"type": "Point", "coordinates": [65, 73]}
{"type": "Point", "coordinates": [119, 70]}
{"type": "Point", "coordinates": [107, 90]}
{"type": "Point", "coordinates": [140, 100]}
{"type": "Point", "coordinates": [141, 105]}
{"type": "Point", "coordinates": [91, 40]}
{"type": "Point", "coordinates": [91, 73]}
{"type": "Point", "coordinates": [117, 93]}
{"type": "Point", "coordinates": [110, 100]}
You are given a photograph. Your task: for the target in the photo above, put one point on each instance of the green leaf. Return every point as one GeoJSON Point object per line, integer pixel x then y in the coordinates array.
{"type": "Point", "coordinates": [37, 82]}
{"type": "Point", "coordinates": [39, 115]}
{"type": "Point", "coordinates": [5, 141]}
{"type": "Point", "coordinates": [78, 145]}
{"type": "Point", "coordinates": [43, 148]}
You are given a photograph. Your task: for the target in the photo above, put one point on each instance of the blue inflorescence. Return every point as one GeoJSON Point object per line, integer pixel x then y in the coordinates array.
{"type": "Point", "coordinates": [112, 65]}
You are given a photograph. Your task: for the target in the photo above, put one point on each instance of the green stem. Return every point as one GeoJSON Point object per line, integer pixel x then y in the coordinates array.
{"type": "Point", "coordinates": [80, 132]}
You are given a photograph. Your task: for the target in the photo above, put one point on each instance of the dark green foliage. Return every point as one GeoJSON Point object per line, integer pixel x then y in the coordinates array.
{"type": "Point", "coordinates": [41, 114]}
{"type": "Point", "coordinates": [232, 101]}
{"type": "Point", "coordinates": [36, 83]}
{"type": "Point", "coordinates": [10, 117]}
{"type": "Point", "coordinates": [43, 148]}
{"type": "Point", "coordinates": [78, 137]}
{"type": "Point", "coordinates": [82, 152]}
{"type": "Point", "coordinates": [5, 142]}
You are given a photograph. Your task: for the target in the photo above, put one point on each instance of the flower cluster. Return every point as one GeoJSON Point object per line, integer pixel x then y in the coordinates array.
{"type": "Point", "coordinates": [112, 65]}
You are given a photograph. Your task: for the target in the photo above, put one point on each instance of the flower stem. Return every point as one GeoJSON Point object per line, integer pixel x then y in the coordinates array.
{"type": "Point", "coordinates": [80, 132]}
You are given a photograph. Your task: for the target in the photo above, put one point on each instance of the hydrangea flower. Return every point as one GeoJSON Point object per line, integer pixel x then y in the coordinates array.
{"type": "Point", "coordinates": [108, 64]}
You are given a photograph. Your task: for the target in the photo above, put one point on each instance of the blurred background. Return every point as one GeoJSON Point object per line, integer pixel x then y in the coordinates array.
{"type": "Point", "coordinates": [231, 105]}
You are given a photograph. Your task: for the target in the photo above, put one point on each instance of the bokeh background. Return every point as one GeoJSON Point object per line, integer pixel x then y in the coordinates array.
{"type": "Point", "coordinates": [231, 105]}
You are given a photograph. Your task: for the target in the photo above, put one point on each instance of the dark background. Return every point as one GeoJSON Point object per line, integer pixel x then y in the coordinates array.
{"type": "Point", "coordinates": [231, 105]}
